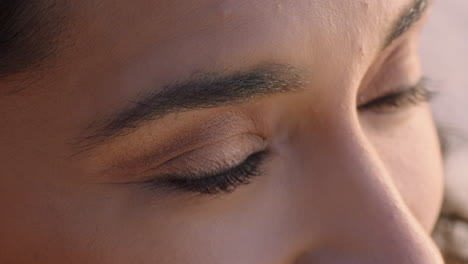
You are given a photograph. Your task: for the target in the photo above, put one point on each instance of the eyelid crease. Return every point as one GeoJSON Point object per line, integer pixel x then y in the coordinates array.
{"type": "Point", "coordinates": [389, 70]}
{"type": "Point", "coordinates": [223, 181]}
{"type": "Point", "coordinates": [217, 155]}
{"type": "Point", "coordinates": [148, 148]}
{"type": "Point", "coordinates": [194, 160]}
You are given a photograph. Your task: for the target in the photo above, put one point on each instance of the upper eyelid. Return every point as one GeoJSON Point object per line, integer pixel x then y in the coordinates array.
{"type": "Point", "coordinates": [251, 165]}
{"type": "Point", "coordinates": [195, 160]}
{"type": "Point", "coordinates": [126, 159]}
{"type": "Point", "coordinates": [225, 148]}
{"type": "Point", "coordinates": [388, 67]}
{"type": "Point", "coordinates": [419, 91]}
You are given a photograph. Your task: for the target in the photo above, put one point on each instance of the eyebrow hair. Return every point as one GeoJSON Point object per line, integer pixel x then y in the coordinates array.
{"type": "Point", "coordinates": [407, 19]}
{"type": "Point", "coordinates": [200, 91]}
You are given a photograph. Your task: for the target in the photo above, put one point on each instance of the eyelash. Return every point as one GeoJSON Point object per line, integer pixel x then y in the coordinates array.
{"type": "Point", "coordinates": [400, 99]}
{"type": "Point", "coordinates": [229, 180]}
{"type": "Point", "coordinates": [218, 183]}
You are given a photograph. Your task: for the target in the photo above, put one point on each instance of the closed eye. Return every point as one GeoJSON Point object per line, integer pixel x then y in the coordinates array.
{"type": "Point", "coordinates": [213, 183]}
{"type": "Point", "coordinates": [399, 99]}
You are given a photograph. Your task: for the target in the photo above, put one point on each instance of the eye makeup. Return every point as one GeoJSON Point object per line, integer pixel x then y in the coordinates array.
{"type": "Point", "coordinates": [215, 169]}
{"type": "Point", "coordinates": [213, 183]}
{"type": "Point", "coordinates": [163, 142]}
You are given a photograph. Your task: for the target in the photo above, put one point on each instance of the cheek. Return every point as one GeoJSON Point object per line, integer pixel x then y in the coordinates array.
{"type": "Point", "coordinates": [411, 153]}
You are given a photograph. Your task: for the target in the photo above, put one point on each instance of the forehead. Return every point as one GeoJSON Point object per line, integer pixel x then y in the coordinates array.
{"type": "Point", "coordinates": [224, 33]}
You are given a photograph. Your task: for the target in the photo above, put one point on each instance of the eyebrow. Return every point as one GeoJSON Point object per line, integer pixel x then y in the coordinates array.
{"type": "Point", "coordinates": [407, 19]}
{"type": "Point", "coordinates": [200, 91]}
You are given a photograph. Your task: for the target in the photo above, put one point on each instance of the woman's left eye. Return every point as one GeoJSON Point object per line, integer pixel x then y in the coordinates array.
{"type": "Point", "coordinates": [213, 183]}
{"type": "Point", "coordinates": [400, 99]}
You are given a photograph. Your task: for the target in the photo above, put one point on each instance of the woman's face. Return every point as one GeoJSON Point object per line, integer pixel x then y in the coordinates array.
{"type": "Point", "coordinates": [231, 131]}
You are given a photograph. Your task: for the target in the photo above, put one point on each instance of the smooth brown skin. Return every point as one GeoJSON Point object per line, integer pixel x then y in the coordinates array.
{"type": "Point", "coordinates": [340, 186]}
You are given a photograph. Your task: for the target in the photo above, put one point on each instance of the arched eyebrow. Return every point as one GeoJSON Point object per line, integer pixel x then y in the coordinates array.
{"type": "Point", "coordinates": [200, 91]}
{"type": "Point", "coordinates": [410, 16]}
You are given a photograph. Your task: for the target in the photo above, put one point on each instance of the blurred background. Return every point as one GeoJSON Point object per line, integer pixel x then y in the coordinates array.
{"type": "Point", "coordinates": [445, 60]}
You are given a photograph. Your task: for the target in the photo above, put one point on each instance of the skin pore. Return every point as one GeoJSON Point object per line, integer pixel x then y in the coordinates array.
{"type": "Point", "coordinates": [230, 131]}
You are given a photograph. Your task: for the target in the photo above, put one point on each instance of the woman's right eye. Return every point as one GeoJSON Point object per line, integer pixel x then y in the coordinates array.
{"type": "Point", "coordinates": [213, 183]}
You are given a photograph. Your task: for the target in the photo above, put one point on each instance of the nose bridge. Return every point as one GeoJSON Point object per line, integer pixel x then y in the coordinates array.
{"type": "Point", "coordinates": [364, 216]}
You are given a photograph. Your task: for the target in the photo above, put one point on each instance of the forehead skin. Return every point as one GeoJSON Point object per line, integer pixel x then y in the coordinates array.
{"type": "Point", "coordinates": [211, 35]}
{"type": "Point", "coordinates": [206, 35]}
{"type": "Point", "coordinates": [120, 49]}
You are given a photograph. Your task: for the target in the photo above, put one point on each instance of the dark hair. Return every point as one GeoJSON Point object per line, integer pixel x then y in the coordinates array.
{"type": "Point", "coordinates": [29, 32]}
